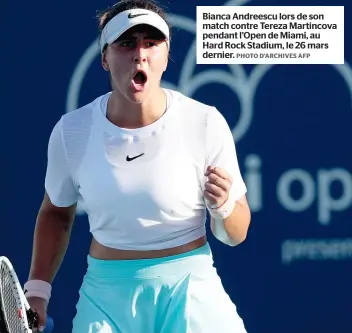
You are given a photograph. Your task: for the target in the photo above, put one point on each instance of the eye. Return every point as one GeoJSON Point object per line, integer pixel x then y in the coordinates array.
{"type": "Point", "coordinates": [126, 43]}
{"type": "Point", "coordinates": [151, 44]}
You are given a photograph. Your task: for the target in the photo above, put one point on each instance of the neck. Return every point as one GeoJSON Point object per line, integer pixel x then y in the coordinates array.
{"type": "Point", "coordinates": [124, 113]}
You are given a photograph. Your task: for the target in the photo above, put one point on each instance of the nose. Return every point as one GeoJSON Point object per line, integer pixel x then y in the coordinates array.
{"type": "Point", "coordinates": [140, 55]}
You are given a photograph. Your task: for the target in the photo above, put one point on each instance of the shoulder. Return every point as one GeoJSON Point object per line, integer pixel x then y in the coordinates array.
{"type": "Point", "coordinates": [85, 111]}
{"type": "Point", "coordinates": [192, 109]}
{"type": "Point", "coordinates": [83, 117]}
{"type": "Point", "coordinates": [190, 105]}
{"type": "Point", "coordinates": [74, 128]}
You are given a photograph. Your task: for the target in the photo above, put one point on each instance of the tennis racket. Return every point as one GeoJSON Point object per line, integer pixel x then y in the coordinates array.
{"type": "Point", "coordinates": [15, 314]}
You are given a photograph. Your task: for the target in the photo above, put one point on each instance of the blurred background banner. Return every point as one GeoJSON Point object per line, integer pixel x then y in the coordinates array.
{"type": "Point", "coordinates": [292, 127]}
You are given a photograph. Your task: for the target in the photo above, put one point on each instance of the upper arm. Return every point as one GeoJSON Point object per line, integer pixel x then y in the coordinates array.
{"type": "Point", "coordinates": [65, 214]}
{"type": "Point", "coordinates": [221, 152]}
{"type": "Point", "coordinates": [60, 188]}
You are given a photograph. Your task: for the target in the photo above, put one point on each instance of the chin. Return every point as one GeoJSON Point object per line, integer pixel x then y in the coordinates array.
{"type": "Point", "coordinates": [138, 97]}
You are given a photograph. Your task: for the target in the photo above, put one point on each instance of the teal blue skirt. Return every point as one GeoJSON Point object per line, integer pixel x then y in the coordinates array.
{"type": "Point", "coordinates": [175, 294]}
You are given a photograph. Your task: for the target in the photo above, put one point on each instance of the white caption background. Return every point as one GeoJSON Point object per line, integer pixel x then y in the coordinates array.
{"type": "Point", "coordinates": [270, 35]}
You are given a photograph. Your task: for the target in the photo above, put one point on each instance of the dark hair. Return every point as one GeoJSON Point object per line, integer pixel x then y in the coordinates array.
{"type": "Point", "coordinates": [107, 14]}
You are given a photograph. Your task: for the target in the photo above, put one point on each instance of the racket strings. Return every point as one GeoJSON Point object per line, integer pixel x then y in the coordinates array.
{"type": "Point", "coordinates": [8, 300]}
{"type": "Point", "coordinates": [3, 328]}
{"type": "Point", "coordinates": [3, 325]}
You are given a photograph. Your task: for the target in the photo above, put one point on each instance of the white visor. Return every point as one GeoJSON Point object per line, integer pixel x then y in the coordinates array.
{"type": "Point", "coordinates": [128, 19]}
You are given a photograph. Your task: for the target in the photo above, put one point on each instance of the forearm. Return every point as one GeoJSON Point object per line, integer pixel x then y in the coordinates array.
{"type": "Point", "coordinates": [233, 229]}
{"type": "Point", "coordinates": [51, 238]}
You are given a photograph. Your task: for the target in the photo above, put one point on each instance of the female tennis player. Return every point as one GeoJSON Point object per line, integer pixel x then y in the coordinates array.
{"type": "Point", "coordinates": [148, 163]}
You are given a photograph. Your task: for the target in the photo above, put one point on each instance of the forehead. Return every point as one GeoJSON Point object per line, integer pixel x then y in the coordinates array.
{"type": "Point", "coordinates": [146, 30]}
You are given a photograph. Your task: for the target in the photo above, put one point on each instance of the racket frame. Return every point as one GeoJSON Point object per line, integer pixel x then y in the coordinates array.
{"type": "Point", "coordinates": [21, 301]}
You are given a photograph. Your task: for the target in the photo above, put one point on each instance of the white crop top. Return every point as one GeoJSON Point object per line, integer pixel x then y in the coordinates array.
{"type": "Point", "coordinates": [141, 188]}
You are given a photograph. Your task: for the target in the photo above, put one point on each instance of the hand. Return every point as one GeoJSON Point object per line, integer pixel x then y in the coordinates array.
{"type": "Point", "coordinates": [39, 305]}
{"type": "Point", "coordinates": [218, 186]}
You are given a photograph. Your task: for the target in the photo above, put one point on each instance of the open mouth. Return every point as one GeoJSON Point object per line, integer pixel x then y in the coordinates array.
{"type": "Point", "coordinates": [139, 77]}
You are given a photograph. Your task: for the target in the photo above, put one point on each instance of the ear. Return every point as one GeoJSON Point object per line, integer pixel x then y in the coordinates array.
{"type": "Point", "coordinates": [104, 62]}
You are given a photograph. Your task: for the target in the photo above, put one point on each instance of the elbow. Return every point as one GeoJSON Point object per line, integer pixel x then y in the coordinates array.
{"type": "Point", "coordinates": [242, 235]}
{"type": "Point", "coordinates": [237, 231]}
{"type": "Point", "coordinates": [233, 230]}
{"type": "Point", "coordinates": [237, 238]}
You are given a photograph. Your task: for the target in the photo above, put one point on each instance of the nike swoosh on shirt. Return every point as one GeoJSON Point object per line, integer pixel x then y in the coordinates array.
{"type": "Point", "coordinates": [129, 159]}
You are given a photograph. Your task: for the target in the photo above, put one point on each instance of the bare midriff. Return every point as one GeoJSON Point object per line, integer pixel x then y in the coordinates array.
{"type": "Point", "coordinates": [99, 251]}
